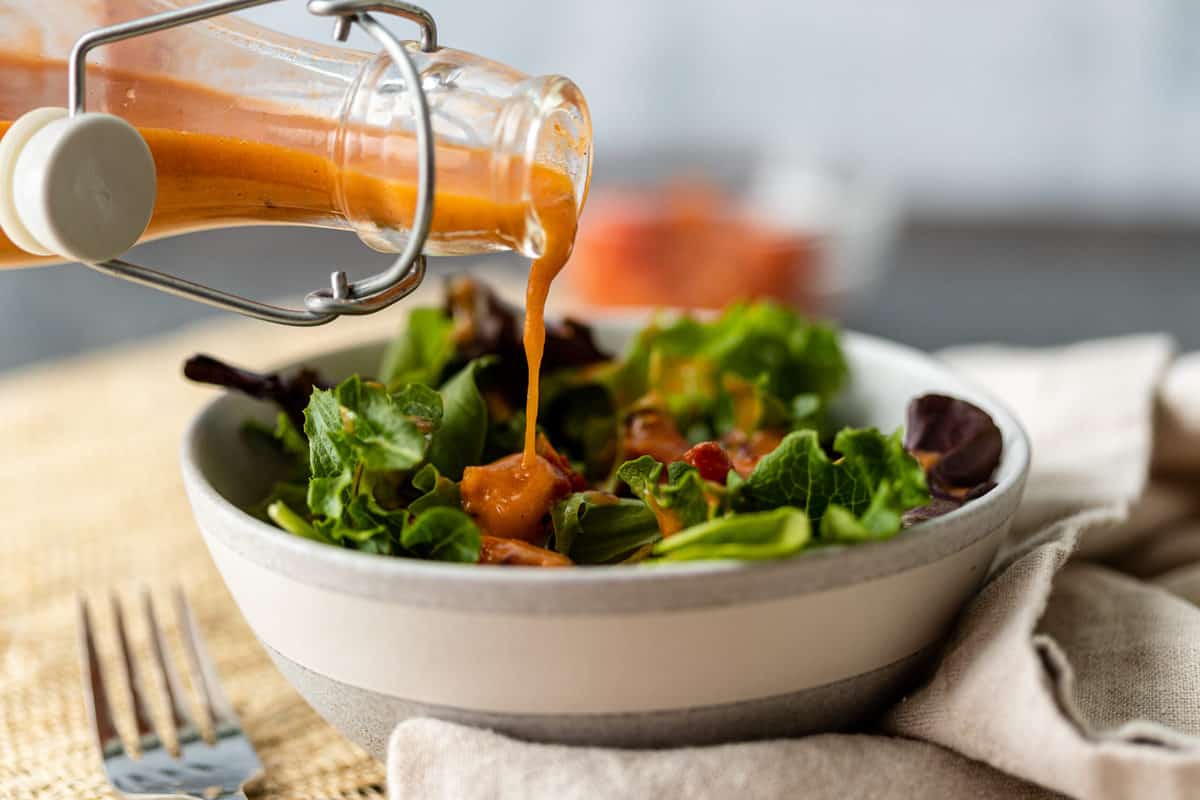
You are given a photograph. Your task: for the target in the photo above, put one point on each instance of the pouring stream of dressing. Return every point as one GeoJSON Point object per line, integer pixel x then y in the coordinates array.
{"type": "Point", "coordinates": [559, 221]}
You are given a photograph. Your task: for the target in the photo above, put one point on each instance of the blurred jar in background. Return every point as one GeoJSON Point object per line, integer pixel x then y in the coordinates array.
{"type": "Point", "coordinates": [806, 237]}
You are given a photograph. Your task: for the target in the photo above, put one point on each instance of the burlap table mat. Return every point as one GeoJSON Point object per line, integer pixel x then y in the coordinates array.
{"type": "Point", "coordinates": [91, 500]}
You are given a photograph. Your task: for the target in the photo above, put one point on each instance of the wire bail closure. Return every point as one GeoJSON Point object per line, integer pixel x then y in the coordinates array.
{"type": "Point", "coordinates": [343, 296]}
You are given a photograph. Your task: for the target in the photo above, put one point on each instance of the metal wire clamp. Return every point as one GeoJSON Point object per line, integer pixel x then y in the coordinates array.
{"type": "Point", "coordinates": [343, 296]}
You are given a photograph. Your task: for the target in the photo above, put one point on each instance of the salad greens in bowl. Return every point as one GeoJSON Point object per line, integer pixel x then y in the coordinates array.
{"type": "Point", "coordinates": [705, 439]}
{"type": "Point", "coordinates": [758, 526]}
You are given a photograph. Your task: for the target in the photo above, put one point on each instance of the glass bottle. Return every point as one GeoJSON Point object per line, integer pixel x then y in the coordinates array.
{"type": "Point", "coordinates": [247, 126]}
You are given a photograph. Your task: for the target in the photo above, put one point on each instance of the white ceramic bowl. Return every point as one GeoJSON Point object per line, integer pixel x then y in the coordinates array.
{"type": "Point", "coordinates": [628, 656]}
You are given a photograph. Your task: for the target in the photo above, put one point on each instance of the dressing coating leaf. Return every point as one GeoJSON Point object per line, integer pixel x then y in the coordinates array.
{"type": "Point", "coordinates": [743, 370]}
{"type": "Point", "coordinates": [375, 465]}
{"type": "Point", "coordinates": [684, 499]}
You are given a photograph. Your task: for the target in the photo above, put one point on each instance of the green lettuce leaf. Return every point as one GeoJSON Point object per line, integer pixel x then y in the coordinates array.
{"type": "Point", "coordinates": [421, 403]}
{"type": "Point", "coordinates": [377, 428]}
{"type": "Point", "coordinates": [872, 484]}
{"type": "Point", "coordinates": [807, 411]}
{"type": "Point", "coordinates": [363, 444]}
{"type": "Point", "coordinates": [329, 495]}
{"type": "Point", "coordinates": [443, 534]}
{"type": "Point", "coordinates": [581, 420]}
{"type": "Point", "coordinates": [742, 370]}
{"type": "Point", "coordinates": [748, 405]}
{"type": "Point", "coordinates": [641, 475]}
{"type": "Point", "coordinates": [744, 537]}
{"type": "Point", "coordinates": [436, 491]}
{"type": "Point", "coordinates": [684, 499]}
{"type": "Point", "coordinates": [422, 350]}
{"type": "Point", "coordinates": [357, 433]}
{"type": "Point", "coordinates": [286, 437]}
{"type": "Point", "coordinates": [361, 526]}
{"type": "Point", "coordinates": [289, 449]}
{"type": "Point", "coordinates": [764, 339]}
{"type": "Point", "coordinates": [689, 496]}
{"type": "Point", "coordinates": [331, 461]}
{"type": "Point", "coordinates": [364, 525]}
{"type": "Point", "coordinates": [460, 440]}
{"type": "Point", "coordinates": [294, 494]}
{"type": "Point", "coordinates": [376, 464]}
{"type": "Point", "coordinates": [282, 515]}
{"type": "Point", "coordinates": [328, 452]}
{"type": "Point", "coordinates": [291, 439]}
{"type": "Point", "coordinates": [593, 528]}
{"type": "Point", "coordinates": [880, 520]}
{"type": "Point", "coordinates": [630, 378]}
{"type": "Point", "coordinates": [504, 436]}
{"type": "Point", "coordinates": [437, 532]}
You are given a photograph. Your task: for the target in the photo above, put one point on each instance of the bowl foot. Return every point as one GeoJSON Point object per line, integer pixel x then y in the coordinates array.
{"type": "Point", "coordinates": [367, 717]}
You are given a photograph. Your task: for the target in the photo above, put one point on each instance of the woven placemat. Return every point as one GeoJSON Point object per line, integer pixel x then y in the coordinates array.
{"type": "Point", "coordinates": [91, 501]}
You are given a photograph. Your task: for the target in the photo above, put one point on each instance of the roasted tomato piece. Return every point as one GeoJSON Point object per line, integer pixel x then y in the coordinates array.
{"type": "Point", "coordinates": [511, 501]}
{"type": "Point", "coordinates": [515, 552]}
{"type": "Point", "coordinates": [746, 451]}
{"type": "Point", "coordinates": [710, 460]}
{"type": "Point", "coordinates": [650, 432]}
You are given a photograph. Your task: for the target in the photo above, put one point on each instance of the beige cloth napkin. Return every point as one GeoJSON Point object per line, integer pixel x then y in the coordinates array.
{"type": "Point", "coordinates": [1076, 670]}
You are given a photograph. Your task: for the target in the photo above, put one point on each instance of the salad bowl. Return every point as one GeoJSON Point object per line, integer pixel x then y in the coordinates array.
{"type": "Point", "coordinates": [648, 655]}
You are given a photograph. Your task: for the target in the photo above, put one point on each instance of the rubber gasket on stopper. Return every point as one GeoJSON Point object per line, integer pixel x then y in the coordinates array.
{"type": "Point", "coordinates": [82, 187]}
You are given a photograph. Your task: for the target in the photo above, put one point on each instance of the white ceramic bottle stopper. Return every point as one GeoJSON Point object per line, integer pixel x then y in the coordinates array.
{"type": "Point", "coordinates": [80, 187]}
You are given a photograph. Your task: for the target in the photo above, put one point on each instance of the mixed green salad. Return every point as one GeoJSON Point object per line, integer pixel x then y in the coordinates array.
{"type": "Point", "coordinates": [705, 439]}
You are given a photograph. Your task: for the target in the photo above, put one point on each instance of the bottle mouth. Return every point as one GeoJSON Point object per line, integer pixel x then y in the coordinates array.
{"type": "Point", "coordinates": [550, 149]}
{"type": "Point", "coordinates": [513, 163]}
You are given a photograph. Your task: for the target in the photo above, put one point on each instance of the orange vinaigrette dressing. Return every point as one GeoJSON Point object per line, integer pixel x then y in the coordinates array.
{"type": "Point", "coordinates": [208, 179]}
{"type": "Point", "coordinates": [559, 220]}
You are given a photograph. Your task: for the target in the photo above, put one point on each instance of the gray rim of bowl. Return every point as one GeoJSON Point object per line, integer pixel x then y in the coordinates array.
{"type": "Point", "coordinates": [595, 589]}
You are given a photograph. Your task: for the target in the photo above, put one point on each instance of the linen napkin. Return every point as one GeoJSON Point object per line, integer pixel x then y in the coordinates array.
{"type": "Point", "coordinates": [1076, 670]}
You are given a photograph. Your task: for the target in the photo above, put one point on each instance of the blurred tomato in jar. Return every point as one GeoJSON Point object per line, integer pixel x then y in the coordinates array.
{"type": "Point", "coordinates": [687, 243]}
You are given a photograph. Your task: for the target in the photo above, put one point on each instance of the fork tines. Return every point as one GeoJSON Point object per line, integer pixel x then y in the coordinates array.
{"type": "Point", "coordinates": [194, 765]}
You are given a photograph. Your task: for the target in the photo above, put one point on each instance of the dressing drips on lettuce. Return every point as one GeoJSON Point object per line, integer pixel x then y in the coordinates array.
{"type": "Point", "coordinates": [706, 439]}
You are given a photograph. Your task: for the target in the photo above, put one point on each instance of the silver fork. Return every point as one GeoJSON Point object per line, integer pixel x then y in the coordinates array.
{"type": "Point", "coordinates": [216, 771]}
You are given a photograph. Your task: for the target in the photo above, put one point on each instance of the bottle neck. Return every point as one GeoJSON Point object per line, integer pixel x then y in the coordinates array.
{"type": "Point", "coordinates": [512, 156]}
